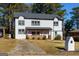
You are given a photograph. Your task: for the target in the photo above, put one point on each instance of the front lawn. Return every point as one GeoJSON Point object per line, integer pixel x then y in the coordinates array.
{"type": "Point", "coordinates": [6, 45]}
{"type": "Point", "coordinates": [54, 47]}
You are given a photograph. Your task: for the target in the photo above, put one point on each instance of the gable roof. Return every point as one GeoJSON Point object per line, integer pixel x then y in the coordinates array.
{"type": "Point", "coordinates": [37, 16]}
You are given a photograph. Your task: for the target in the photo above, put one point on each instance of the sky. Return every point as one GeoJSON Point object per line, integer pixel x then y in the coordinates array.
{"type": "Point", "coordinates": [68, 7]}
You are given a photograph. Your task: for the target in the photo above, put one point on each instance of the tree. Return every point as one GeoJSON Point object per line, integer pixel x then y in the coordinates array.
{"type": "Point", "coordinates": [68, 26]}
{"type": "Point", "coordinates": [48, 8]}
{"type": "Point", "coordinates": [75, 17]}
{"type": "Point", "coordinates": [10, 9]}
{"type": "Point", "coordinates": [2, 17]}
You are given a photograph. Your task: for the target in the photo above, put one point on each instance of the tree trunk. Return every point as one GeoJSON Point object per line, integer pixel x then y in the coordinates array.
{"type": "Point", "coordinates": [4, 32]}
{"type": "Point", "coordinates": [9, 28]}
{"type": "Point", "coordinates": [77, 24]}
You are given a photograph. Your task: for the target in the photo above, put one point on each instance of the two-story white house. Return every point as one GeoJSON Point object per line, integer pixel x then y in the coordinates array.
{"type": "Point", "coordinates": [37, 24]}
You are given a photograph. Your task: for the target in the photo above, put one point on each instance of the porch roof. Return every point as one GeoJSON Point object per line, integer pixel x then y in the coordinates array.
{"type": "Point", "coordinates": [39, 28]}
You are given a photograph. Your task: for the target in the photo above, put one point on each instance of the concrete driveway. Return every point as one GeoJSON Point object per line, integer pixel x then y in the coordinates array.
{"type": "Point", "coordinates": [26, 48]}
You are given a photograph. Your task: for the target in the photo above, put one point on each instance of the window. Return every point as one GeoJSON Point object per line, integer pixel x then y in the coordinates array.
{"type": "Point", "coordinates": [21, 22]}
{"type": "Point", "coordinates": [35, 23]}
{"type": "Point", "coordinates": [55, 23]}
{"type": "Point", "coordinates": [55, 33]}
{"type": "Point", "coordinates": [21, 31]}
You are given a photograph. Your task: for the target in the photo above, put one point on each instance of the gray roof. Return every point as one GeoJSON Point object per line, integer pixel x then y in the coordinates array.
{"type": "Point", "coordinates": [37, 16]}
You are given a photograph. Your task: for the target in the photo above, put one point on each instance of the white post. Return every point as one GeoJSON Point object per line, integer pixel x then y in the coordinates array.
{"type": "Point", "coordinates": [52, 37]}
{"type": "Point", "coordinates": [69, 44]}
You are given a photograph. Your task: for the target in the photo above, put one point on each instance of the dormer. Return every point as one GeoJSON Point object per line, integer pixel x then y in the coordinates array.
{"type": "Point", "coordinates": [21, 21]}
{"type": "Point", "coordinates": [55, 23]}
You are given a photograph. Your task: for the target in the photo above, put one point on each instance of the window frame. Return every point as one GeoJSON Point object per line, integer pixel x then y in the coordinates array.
{"type": "Point", "coordinates": [21, 22]}
{"type": "Point", "coordinates": [35, 23]}
{"type": "Point", "coordinates": [55, 23]}
{"type": "Point", "coordinates": [21, 31]}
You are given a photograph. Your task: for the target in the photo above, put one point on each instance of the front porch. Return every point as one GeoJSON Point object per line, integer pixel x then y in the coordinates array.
{"type": "Point", "coordinates": [38, 33]}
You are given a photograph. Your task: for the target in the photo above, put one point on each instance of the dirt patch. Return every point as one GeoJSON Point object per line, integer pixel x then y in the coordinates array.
{"type": "Point", "coordinates": [26, 48]}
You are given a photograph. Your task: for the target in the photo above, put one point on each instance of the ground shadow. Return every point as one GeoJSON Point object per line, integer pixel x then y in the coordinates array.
{"type": "Point", "coordinates": [3, 54]}
{"type": "Point", "coordinates": [60, 48]}
{"type": "Point", "coordinates": [56, 42]}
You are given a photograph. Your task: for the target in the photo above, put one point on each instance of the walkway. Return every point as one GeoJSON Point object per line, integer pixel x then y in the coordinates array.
{"type": "Point", "coordinates": [26, 48]}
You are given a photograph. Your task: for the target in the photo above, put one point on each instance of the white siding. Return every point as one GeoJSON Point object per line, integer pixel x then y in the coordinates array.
{"type": "Point", "coordinates": [43, 23]}
{"type": "Point", "coordinates": [17, 35]}
{"type": "Point", "coordinates": [58, 28]}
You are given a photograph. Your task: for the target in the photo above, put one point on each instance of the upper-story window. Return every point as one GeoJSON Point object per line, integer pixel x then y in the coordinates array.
{"type": "Point", "coordinates": [55, 23]}
{"type": "Point", "coordinates": [21, 22]}
{"type": "Point", "coordinates": [35, 23]}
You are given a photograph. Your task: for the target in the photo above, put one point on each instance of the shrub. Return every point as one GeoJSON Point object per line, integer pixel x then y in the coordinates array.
{"type": "Point", "coordinates": [27, 37]}
{"type": "Point", "coordinates": [49, 36]}
{"type": "Point", "coordinates": [33, 38]}
{"type": "Point", "coordinates": [44, 37]}
{"type": "Point", "coordinates": [6, 36]}
{"type": "Point", "coordinates": [76, 38]}
{"type": "Point", "coordinates": [38, 38]}
{"type": "Point", "coordinates": [58, 37]}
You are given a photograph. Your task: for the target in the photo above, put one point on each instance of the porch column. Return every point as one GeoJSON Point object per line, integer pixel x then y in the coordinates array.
{"type": "Point", "coordinates": [51, 34]}
{"type": "Point", "coordinates": [52, 37]}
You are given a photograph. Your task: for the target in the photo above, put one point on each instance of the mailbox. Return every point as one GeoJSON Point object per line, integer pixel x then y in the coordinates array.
{"type": "Point", "coordinates": [69, 44]}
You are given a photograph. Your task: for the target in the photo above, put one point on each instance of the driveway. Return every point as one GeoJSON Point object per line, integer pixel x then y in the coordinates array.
{"type": "Point", "coordinates": [26, 48]}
